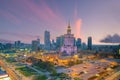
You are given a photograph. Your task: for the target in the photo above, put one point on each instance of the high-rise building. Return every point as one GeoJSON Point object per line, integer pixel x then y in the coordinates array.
{"type": "Point", "coordinates": [84, 46]}
{"type": "Point", "coordinates": [78, 43]}
{"type": "Point", "coordinates": [38, 39]}
{"type": "Point", "coordinates": [59, 41]}
{"type": "Point", "coordinates": [47, 41]}
{"type": "Point", "coordinates": [53, 45]}
{"type": "Point", "coordinates": [8, 46]}
{"type": "Point", "coordinates": [89, 43]}
{"type": "Point", "coordinates": [68, 47]}
{"type": "Point", "coordinates": [35, 45]}
{"type": "Point", "coordinates": [17, 44]}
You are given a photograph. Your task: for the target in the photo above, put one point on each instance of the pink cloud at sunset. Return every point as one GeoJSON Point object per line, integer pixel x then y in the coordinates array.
{"type": "Point", "coordinates": [44, 12]}
{"type": "Point", "coordinates": [31, 11]}
{"type": "Point", "coordinates": [78, 24]}
{"type": "Point", "coordinates": [35, 16]}
{"type": "Point", "coordinates": [10, 17]}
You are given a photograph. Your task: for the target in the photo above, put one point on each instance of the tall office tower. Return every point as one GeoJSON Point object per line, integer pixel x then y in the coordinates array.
{"type": "Point", "coordinates": [35, 45]}
{"type": "Point", "coordinates": [89, 43]}
{"type": "Point", "coordinates": [84, 46]}
{"type": "Point", "coordinates": [78, 43]}
{"type": "Point", "coordinates": [59, 41]}
{"type": "Point", "coordinates": [38, 39]}
{"type": "Point", "coordinates": [17, 44]}
{"type": "Point", "coordinates": [53, 45]}
{"type": "Point", "coordinates": [68, 48]}
{"type": "Point", "coordinates": [47, 42]}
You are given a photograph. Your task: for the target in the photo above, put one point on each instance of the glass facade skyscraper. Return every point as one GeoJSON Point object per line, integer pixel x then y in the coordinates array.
{"type": "Point", "coordinates": [47, 41]}
{"type": "Point", "coordinates": [89, 43]}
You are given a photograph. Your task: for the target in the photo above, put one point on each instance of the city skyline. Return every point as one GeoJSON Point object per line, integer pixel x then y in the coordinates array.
{"type": "Point", "coordinates": [26, 20]}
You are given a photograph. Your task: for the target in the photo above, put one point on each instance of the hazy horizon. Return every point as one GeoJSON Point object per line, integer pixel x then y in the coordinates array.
{"type": "Point", "coordinates": [26, 20]}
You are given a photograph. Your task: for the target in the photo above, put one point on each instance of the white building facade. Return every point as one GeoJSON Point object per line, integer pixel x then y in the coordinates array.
{"type": "Point", "coordinates": [68, 47]}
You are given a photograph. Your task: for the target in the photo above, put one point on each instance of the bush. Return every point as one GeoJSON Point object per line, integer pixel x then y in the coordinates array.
{"type": "Point", "coordinates": [54, 73]}
{"type": "Point", "coordinates": [40, 77]}
{"type": "Point", "coordinates": [77, 79]}
{"type": "Point", "coordinates": [44, 65]}
{"type": "Point", "coordinates": [26, 71]}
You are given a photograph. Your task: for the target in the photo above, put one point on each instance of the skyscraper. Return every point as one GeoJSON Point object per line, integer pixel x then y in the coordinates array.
{"type": "Point", "coordinates": [35, 45]}
{"type": "Point", "coordinates": [17, 44]}
{"type": "Point", "coordinates": [53, 45]}
{"type": "Point", "coordinates": [89, 43]}
{"type": "Point", "coordinates": [47, 42]}
{"type": "Point", "coordinates": [59, 41]}
{"type": "Point", "coordinates": [38, 39]}
{"type": "Point", "coordinates": [78, 43]}
{"type": "Point", "coordinates": [84, 46]}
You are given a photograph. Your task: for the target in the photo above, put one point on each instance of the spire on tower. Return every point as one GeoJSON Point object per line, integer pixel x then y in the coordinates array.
{"type": "Point", "coordinates": [69, 28]}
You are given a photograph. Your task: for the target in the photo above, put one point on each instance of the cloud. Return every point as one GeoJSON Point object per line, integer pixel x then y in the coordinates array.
{"type": "Point", "coordinates": [111, 39]}
{"type": "Point", "coordinates": [78, 24]}
{"type": "Point", "coordinates": [5, 41]}
{"type": "Point", "coordinates": [32, 11]}
{"type": "Point", "coordinates": [75, 11]}
{"type": "Point", "coordinates": [19, 35]}
{"type": "Point", "coordinates": [27, 38]}
{"type": "Point", "coordinates": [10, 17]}
{"type": "Point", "coordinates": [42, 11]}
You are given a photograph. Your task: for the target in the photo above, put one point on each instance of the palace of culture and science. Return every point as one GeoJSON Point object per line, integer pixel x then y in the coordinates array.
{"type": "Point", "coordinates": [68, 47]}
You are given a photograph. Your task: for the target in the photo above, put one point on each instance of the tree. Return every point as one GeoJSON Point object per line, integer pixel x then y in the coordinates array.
{"type": "Point", "coordinates": [77, 79]}
{"type": "Point", "coordinates": [40, 77]}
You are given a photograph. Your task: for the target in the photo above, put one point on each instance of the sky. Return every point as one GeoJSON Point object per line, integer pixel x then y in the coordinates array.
{"type": "Point", "coordinates": [26, 20]}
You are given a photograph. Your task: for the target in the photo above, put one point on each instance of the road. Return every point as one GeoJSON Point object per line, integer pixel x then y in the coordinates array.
{"type": "Point", "coordinates": [114, 76]}
{"type": "Point", "coordinates": [34, 69]}
{"type": "Point", "coordinates": [10, 72]}
{"type": "Point", "coordinates": [38, 71]}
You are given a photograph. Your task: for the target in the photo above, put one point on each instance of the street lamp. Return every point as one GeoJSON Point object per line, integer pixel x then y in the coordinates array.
{"type": "Point", "coordinates": [25, 57]}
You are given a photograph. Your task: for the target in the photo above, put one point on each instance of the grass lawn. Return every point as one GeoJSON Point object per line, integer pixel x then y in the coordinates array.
{"type": "Point", "coordinates": [26, 71]}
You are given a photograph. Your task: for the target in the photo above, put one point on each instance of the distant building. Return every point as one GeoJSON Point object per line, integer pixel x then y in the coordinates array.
{"type": "Point", "coordinates": [17, 44]}
{"type": "Point", "coordinates": [78, 43]}
{"type": "Point", "coordinates": [53, 45]}
{"type": "Point", "coordinates": [47, 41]}
{"type": "Point", "coordinates": [89, 43]}
{"type": "Point", "coordinates": [1, 46]}
{"type": "Point", "coordinates": [59, 42]}
{"type": "Point", "coordinates": [84, 46]}
{"type": "Point", "coordinates": [68, 47]}
{"type": "Point", "coordinates": [8, 46]}
{"type": "Point", "coordinates": [35, 44]}
{"type": "Point", "coordinates": [38, 39]}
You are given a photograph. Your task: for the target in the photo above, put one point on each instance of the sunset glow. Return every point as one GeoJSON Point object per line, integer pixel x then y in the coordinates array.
{"type": "Point", "coordinates": [34, 17]}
